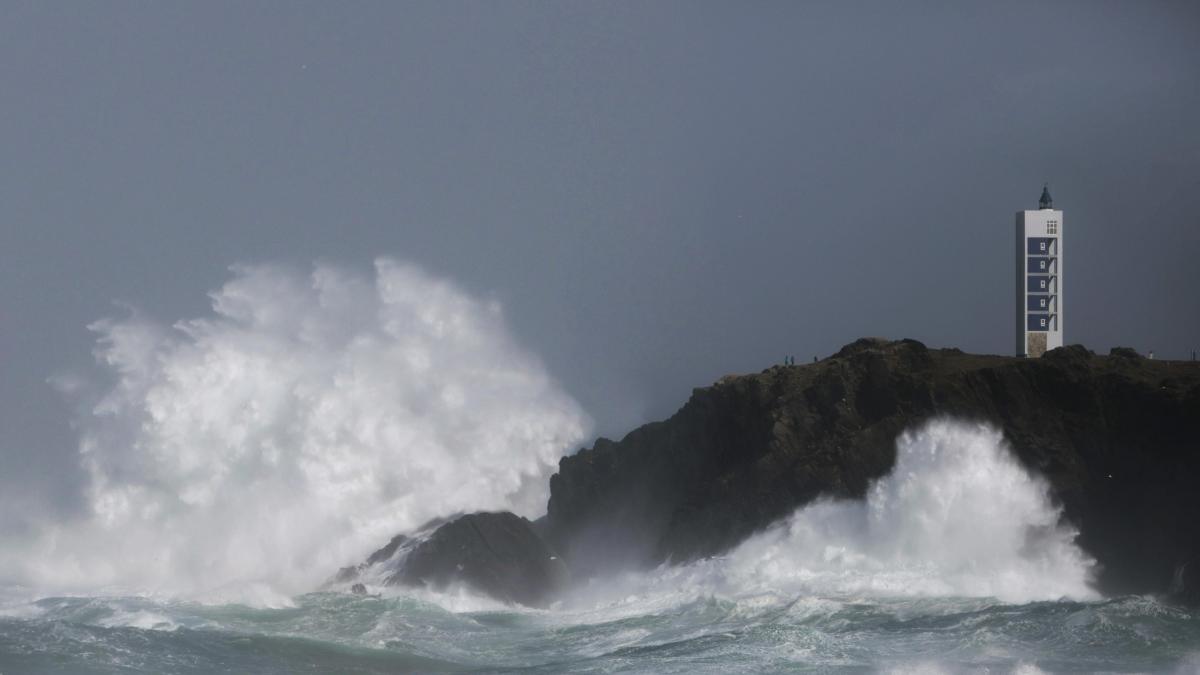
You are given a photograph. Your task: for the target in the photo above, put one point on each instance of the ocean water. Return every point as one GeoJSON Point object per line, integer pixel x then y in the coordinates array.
{"type": "Point", "coordinates": [342, 633]}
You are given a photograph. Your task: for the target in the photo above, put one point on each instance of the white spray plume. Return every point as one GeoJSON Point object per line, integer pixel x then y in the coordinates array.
{"type": "Point", "coordinates": [303, 423]}
{"type": "Point", "coordinates": [957, 516]}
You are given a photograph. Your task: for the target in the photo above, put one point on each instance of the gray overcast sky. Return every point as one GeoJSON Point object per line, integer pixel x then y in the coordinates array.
{"type": "Point", "coordinates": [659, 193]}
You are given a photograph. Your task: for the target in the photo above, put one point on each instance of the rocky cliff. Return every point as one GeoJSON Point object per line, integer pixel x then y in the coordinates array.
{"type": "Point", "coordinates": [1117, 437]}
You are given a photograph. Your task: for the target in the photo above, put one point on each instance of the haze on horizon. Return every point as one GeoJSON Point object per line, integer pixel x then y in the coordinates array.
{"type": "Point", "coordinates": [658, 194]}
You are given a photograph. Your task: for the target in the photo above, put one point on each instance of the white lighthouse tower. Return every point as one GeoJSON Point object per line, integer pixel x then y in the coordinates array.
{"type": "Point", "coordinates": [1039, 278]}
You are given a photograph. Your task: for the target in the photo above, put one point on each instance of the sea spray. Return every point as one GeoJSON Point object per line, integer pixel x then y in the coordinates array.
{"type": "Point", "coordinates": [810, 593]}
{"type": "Point", "coordinates": [957, 516]}
{"type": "Point", "coordinates": [247, 454]}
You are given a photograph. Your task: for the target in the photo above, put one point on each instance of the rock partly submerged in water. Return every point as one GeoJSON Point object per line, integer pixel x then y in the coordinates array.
{"type": "Point", "coordinates": [498, 554]}
{"type": "Point", "coordinates": [1117, 437]}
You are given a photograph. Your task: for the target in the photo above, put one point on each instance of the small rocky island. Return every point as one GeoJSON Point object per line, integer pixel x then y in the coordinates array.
{"type": "Point", "coordinates": [1117, 437]}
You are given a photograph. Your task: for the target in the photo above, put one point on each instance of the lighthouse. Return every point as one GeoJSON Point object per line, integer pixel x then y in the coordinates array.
{"type": "Point", "coordinates": [1039, 278]}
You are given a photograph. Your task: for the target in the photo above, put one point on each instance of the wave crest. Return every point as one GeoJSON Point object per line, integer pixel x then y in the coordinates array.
{"type": "Point", "coordinates": [308, 418]}
{"type": "Point", "coordinates": [957, 515]}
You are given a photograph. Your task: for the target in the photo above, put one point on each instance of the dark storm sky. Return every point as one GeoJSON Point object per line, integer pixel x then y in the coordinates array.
{"type": "Point", "coordinates": [659, 193]}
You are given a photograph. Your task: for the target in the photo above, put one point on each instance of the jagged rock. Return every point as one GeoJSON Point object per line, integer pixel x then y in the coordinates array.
{"type": "Point", "coordinates": [1117, 437]}
{"type": "Point", "coordinates": [499, 554]}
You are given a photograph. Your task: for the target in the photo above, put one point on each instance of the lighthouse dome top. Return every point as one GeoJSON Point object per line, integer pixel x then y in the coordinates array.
{"type": "Point", "coordinates": [1046, 202]}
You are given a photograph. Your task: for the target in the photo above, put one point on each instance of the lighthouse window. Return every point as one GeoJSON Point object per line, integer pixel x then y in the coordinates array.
{"type": "Point", "coordinates": [1041, 246]}
{"type": "Point", "coordinates": [1051, 227]}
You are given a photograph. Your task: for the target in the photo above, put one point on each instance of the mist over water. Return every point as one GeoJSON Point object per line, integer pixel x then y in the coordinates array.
{"type": "Point", "coordinates": [958, 516]}
{"type": "Point", "coordinates": [248, 453]}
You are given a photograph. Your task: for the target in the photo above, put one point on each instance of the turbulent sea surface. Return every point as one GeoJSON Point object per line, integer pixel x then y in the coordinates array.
{"type": "Point", "coordinates": [341, 633]}
{"type": "Point", "coordinates": [955, 562]}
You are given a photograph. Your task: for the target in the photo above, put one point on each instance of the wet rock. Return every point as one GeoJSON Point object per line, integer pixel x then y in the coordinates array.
{"type": "Point", "coordinates": [499, 554]}
{"type": "Point", "coordinates": [1117, 437]}
{"type": "Point", "coordinates": [345, 575]}
{"type": "Point", "coordinates": [388, 550]}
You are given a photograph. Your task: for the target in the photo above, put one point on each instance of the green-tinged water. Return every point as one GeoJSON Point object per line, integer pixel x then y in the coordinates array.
{"type": "Point", "coordinates": [341, 633]}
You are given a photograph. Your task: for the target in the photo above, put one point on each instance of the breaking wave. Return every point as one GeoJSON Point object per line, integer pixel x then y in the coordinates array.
{"type": "Point", "coordinates": [248, 453]}
{"type": "Point", "coordinates": [958, 516]}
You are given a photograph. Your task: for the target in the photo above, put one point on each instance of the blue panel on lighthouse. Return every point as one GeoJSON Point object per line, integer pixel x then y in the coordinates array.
{"type": "Point", "coordinates": [1037, 284]}
{"type": "Point", "coordinates": [1038, 303]}
{"type": "Point", "coordinates": [1038, 322]}
{"type": "Point", "coordinates": [1040, 245]}
{"type": "Point", "coordinates": [1039, 265]}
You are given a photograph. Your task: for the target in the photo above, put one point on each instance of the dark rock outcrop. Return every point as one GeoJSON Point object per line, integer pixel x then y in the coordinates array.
{"type": "Point", "coordinates": [1117, 437]}
{"type": "Point", "coordinates": [499, 554]}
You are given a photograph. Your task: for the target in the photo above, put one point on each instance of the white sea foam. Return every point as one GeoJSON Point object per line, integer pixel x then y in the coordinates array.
{"type": "Point", "coordinates": [301, 424]}
{"type": "Point", "coordinates": [934, 668]}
{"type": "Point", "coordinates": [146, 620]}
{"type": "Point", "coordinates": [957, 516]}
